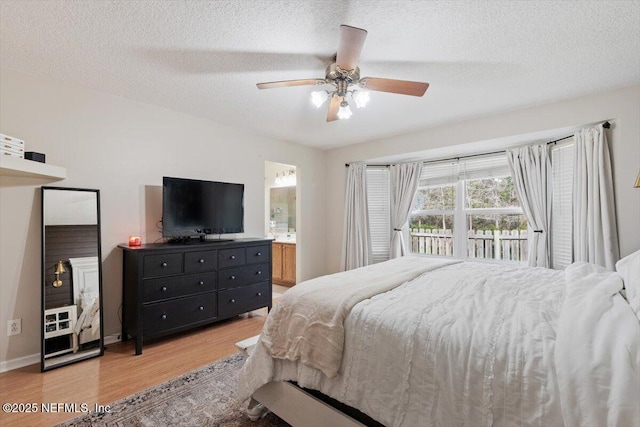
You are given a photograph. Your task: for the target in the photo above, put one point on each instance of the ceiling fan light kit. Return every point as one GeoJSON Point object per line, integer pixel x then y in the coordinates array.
{"type": "Point", "coordinates": [319, 97]}
{"type": "Point", "coordinates": [344, 75]}
{"type": "Point", "coordinates": [344, 112]}
{"type": "Point", "coordinates": [361, 98]}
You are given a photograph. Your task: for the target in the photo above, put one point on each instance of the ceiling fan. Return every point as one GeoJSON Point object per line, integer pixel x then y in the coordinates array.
{"type": "Point", "coordinates": [344, 75]}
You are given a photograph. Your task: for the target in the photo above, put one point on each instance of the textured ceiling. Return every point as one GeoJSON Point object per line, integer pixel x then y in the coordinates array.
{"type": "Point", "coordinates": [205, 57]}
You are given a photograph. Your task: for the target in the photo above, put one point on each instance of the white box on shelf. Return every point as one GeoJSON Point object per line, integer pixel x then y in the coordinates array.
{"type": "Point", "coordinates": [11, 148]}
{"type": "Point", "coordinates": [8, 153]}
{"type": "Point", "coordinates": [10, 140]}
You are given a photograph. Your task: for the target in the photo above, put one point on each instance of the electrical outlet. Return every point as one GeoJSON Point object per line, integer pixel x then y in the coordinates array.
{"type": "Point", "coordinates": [14, 327]}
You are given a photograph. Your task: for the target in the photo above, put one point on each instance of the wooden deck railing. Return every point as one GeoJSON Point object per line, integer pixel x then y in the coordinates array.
{"type": "Point", "coordinates": [436, 242]}
{"type": "Point", "coordinates": [497, 244]}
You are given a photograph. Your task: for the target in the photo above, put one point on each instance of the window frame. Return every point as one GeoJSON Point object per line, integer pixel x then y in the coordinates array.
{"type": "Point", "coordinates": [460, 213]}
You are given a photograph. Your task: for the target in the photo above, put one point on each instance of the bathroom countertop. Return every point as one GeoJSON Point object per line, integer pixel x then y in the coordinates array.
{"type": "Point", "coordinates": [285, 240]}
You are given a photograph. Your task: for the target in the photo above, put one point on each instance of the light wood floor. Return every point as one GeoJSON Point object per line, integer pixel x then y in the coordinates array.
{"type": "Point", "coordinates": [119, 373]}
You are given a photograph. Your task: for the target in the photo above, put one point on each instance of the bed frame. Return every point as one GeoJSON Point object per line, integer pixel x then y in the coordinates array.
{"type": "Point", "coordinates": [300, 407]}
{"type": "Point", "coordinates": [297, 407]}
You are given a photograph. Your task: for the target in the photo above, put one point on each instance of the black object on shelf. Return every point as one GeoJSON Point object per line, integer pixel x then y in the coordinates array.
{"type": "Point", "coordinates": [36, 157]}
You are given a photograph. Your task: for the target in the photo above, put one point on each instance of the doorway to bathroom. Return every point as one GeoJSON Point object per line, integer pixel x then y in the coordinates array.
{"type": "Point", "coordinates": [281, 220]}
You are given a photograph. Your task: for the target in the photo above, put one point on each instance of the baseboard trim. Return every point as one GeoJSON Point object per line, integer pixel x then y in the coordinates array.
{"type": "Point", "coordinates": [112, 339]}
{"type": "Point", "coordinates": [19, 362]}
{"type": "Point", "coordinates": [33, 359]}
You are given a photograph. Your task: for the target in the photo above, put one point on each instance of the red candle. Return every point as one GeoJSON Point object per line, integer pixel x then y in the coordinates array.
{"type": "Point", "coordinates": [135, 241]}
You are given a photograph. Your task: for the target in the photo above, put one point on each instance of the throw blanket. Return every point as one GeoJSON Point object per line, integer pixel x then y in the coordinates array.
{"type": "Point", "coordinates": [597, 351]}
{"type": "Point", "coordinates": [307, 323]}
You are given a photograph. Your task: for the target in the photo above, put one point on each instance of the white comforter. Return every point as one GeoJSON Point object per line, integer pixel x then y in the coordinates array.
{"type": "Point", "coordinates": [598, 351]}
{"type": "Point", "coordinates": [469, 344]}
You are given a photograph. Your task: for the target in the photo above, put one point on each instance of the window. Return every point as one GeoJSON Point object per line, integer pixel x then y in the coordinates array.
{"type": "Point", "coordinates": [468, 209]}
{"type": "Point", "coordinates": [378, 206]}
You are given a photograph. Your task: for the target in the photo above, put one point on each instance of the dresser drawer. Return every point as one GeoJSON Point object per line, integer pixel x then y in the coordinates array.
{"type": "Point", "coordinates": [232, 302]}
{"type": "Point", "coordinates": [165, 316]}
{"type": "Point", "coordinates": [171, 287]}
{"type": "Point", "coordinates": [257, 254]}
{"type": "Point", "coordinates": [231, 257]}
{"type": "Point", "coordinates": [162, 265]}
{"type": "Point", "coordinates": [245, 275]}
{"type": "Point", "coordinates": [197, 262]}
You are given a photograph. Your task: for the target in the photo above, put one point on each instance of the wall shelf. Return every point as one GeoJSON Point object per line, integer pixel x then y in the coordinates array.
{"type": "Point", "coordinates": [12, 166]}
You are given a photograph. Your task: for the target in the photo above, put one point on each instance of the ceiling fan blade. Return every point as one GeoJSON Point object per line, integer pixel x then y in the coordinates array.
{"type": "Point", "coordinates": [286, 83]}
{"type": "Point", "coordinates": [351, 42]}
{"type": "Point", "coordinates": [334, 106]}
{"type": "Point", "coordinates": [402, 87]}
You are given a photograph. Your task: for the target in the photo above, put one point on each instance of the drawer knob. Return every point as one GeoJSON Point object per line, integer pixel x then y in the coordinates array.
{"type": "Point", "coordinates": [259, 294]}
{"type": "Point", "coordinates": [232, 277]}
{"type": "Point", "coordinates": [164, 289]}
{"type": "Point", "coordinates": [164, 317]}
{"type": "Point", "coordinates": [259, 254]}
{"type": "Point", "coordinates": [164, 264]}
{"type": "Point", "coordinates": [259, 272]}
{"type": "Point", "coordinates": [200, 283]}
{"type": "Point", "coordinates": [201, 261]}
{"type": "Point", "coordinates": [232, 257]}
{"type": "Point", "coordinates": [232, 300]}
{"type": "Point", "coordinates": [201, 308]}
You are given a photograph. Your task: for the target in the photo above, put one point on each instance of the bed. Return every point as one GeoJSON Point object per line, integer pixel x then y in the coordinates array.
{"type": "Point", "coordinates": [456, 344]}
{"type": "Point", "coordinates": [85, 278]}
{"type": "Point", "coordinates": [88, 325]}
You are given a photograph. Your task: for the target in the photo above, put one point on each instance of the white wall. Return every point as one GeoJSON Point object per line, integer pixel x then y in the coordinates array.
{"type": "Point", "coordinates": [622, 107]}
{"type": "Point", "coordinates": [124, 148]}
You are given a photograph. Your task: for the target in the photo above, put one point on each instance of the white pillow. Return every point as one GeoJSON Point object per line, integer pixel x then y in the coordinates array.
{"type": "Point", "coordinates": [629, 269]}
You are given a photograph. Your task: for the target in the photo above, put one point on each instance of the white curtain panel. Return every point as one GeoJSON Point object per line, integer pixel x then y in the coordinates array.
{"type": "Point", "coordinates": [531, 168]}
{"type": "Point", "coordinates": [595, 232]}
{"type": "Point", "coordinates": [404, 180]}
{"type": "Point", "coordinates": [356, 243]}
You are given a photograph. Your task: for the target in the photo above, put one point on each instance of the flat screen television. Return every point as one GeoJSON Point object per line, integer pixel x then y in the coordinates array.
{"type": "Point", "coordinates": [194, 208]}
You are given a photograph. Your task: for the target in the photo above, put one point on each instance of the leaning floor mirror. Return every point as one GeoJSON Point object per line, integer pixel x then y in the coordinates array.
{"type": "Point", "coordinates": [71, 276]}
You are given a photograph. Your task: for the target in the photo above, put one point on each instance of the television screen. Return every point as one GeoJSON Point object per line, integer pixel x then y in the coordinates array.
{"type": "Point", "coordinates": [192, 207]}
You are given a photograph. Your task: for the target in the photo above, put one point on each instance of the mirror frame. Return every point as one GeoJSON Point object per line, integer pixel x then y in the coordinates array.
{"type": "Point", "coordinates": [43, 283]}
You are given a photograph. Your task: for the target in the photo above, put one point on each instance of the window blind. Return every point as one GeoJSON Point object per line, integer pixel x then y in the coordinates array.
{"type": "Point", "coordinates": [449, 172]}
{"type": "Point", "coordinates": [439, 174]}
{"type": "Point", "coordinates": [378, 197]}
{"type": "Point", "coordinates": [484, 167]}
{"type": "Point", "coordinates": [562, 206]}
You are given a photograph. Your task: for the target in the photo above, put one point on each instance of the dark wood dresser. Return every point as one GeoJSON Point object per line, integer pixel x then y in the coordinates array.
{"type": "Point", "coordinates": [171, 287]}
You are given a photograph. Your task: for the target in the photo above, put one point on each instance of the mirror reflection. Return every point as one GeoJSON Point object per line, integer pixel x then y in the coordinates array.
{"type": "Point", "coordinates": [71, 272]}
{"type": "Point", "coordinates": [282, 207]}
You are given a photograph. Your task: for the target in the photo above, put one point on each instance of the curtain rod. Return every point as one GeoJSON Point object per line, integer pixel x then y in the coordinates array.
{"type": "Point", "coordinates": [605, 125]}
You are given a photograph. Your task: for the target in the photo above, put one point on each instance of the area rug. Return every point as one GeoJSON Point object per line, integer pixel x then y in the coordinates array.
{"type": "Point", "coordinates": [204, 397]}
